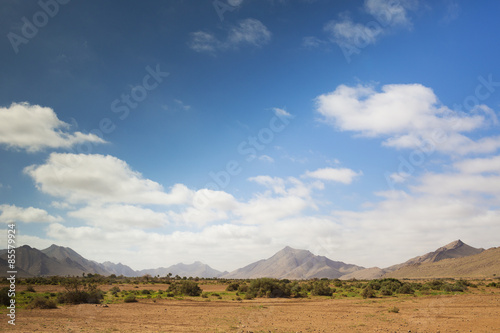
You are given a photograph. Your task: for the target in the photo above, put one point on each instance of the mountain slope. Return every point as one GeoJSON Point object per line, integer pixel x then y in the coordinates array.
{"type": "Point", "coordinates": [294, 264]}
{"type": "Point", "coordinates": [69, 257]}
{"type": "Point", "coordinates": [36, 263]}
{"type": "Point", "coordinates": [456, 249]}
{"type": "Point", "coordinates": [484, 264]}
{"type": "Point", "coordinates": [197, 269]}
{"type": "Point", "coordinates": [119, 269]}
{"type": "Point", "coordinates": [365, 274]}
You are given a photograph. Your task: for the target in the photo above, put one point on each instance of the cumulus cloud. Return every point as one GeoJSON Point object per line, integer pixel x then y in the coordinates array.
{"type": "Point", "coordinates": [103, 179]}
{"type": "Point", "coordinates": [408, 115]}
{"type": "Point", "coordinates": [34, 128]}
{"type": "Point", "coordinates": [248, 32]}
{"type": "Point", "coordinates": [121, 216]}
{"type": "Point", "coordinates": [341, 175]}
{"type": "Point", "coordinates": [12, 213]}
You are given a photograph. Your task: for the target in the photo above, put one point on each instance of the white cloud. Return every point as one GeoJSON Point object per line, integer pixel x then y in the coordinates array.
{"type": "Point", "coordinates": [103, 179]}
{"type": "Point", "coordinates": [12, 213]}
{"type": "Point", "coordinates": [248, 32]}
{"type": "Point", "coordinates": [287, 198]}
{"type": "Point", "coordinates": [347, 32]}
{"type": "Point", "coordinates": [387, 15]}
{"type": "Point", "coordinates": [390, 12]}
{"type": "Point", "coordinates": [60, 205]}
{"type": "Point", "coordinates": [207, 206]}
{"type": "Point", "coordinates": [479, 165]}
{"type": "Point", "coordinates": [121, 216]}
{"type": "Point", "coordinates": [275, 183]}
{"type": "Point", "coordinates": [34, 128]}
{"type": "Point", "coordinates": [281, 112]}
{"type": "Point", "coordinates": [409, 115]}
{"type": "Point", "coordinates": [266, 158]}
{"type": "Point", "coordinates": [341, 175]}
{"type": "Point", "coordinates": [399, 177]}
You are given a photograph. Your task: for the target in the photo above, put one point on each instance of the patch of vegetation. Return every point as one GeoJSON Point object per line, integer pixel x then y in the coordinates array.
{"type": "Point", "coordinates": [4, 296]}
{"type": "Point", "coordinates": [321, 288]}
{"type": "Point", "coordinates": [76, 293]}
{"type": "Point", "coordinates": [233, 287]}
{"type": "Point", "coordinates": [130, 299]}
{"type": "Point", "coordinates": [185, 287]}
{"type": "Point", "coordinates": [41, 303]}
{"type": "Point", "coordinates": [394, 309]}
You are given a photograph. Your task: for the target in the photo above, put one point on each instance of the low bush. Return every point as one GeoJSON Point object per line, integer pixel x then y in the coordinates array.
{"type": "Point", "coordinates": [41, 303]}
{"type": "Point", "coordinates": [368, 292]}
{"type": "Point", "coordinates": [321, 288]}
{"type": "Point", "coordinates": [4, 296]}
{"type": "Point", "coordinates": [267, 287]}
{"type": "Point", "coordinates": [130, 299]}
{"type": "Point", "coordinates": [394, 310]}
{"type": "Point", "coordinates": [185, 287]}
{"type": "Point", "coordinates": [233, 287]}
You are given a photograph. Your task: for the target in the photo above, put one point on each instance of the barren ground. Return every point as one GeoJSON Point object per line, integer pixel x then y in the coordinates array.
{"type": "Point", "coordinates": [478, 311]}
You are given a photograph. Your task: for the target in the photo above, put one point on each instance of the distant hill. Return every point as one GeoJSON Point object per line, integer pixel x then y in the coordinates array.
{"type": "Point", "coordinates": [456, 259]}
{"type": "Point", "coordinates": [63, 261]}
{"type": "Point", "coordinates": [365, 274]}
{"type": "Point", "coordinates": [484, 264]}
{"type": "Point", "coordinates": [294, 264]}
{"type": "Point", "coordinates": [119, 269]}
{"type": "Point", "coordinates": [456, 249]}
{"type": "Point", "coordinates": [70, 258]}
{"type": "Point", "coordinates": [36, 263]}
{"type": "Point", "coordinates": [196, 269]}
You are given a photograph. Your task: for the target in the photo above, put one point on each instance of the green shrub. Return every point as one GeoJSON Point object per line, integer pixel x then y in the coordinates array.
{"type": "Point", "coordinates": [185, 287]}
{"type": "Point", "coordinates": [4, 296]}
{"type": "Point", "coordinates": [321, 288]}
{"type": "Point", "coordinates": [75, 295]}
{"type": "Point", "coordinates": [267, 287]}
{"type": "Point", "coordinates": [233, 287]}
{"type": "Point", "coordinates": [130, 299]}
{"type": "Point", "coordinates": [41, 303]}
{"type": "Point", "coordinates": [394, 310]}
{"type": "Point", "coordinates": [337, 283]}
{"type": "Point", "coordinates": [250, 295]}
{"type": "Point", "coordinates": [406, 289]}
{"type": "Point", "coordinates": [243, 288]}
{"type": "Point", "coordinates": [385, 291]}
{"type": "Point", "coordinates": [115, 290]}
{"type": "Point", "coordinates": [368, 292]}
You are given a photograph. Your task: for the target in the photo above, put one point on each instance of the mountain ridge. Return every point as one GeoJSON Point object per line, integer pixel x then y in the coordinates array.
{"type": "Point", "coordinates": [288, 263]}
{"type": "Point", "coordinates": [292, 263]}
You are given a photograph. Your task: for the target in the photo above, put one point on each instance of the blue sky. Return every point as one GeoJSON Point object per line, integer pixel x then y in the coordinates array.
{"type": "Point", "coordinates": [155, 133]}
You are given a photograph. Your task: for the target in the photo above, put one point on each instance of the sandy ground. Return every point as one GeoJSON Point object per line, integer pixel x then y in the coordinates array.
{"type": "Point", "coordinates": [477, 312]}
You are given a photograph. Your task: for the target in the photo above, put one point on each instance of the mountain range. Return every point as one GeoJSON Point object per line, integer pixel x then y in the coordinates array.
{"type": "Point", "coordinates": [456, 259]}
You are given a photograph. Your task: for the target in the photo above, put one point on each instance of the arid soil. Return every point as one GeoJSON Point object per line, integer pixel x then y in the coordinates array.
{"type": "Point", "coordinates": [473, 312]}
